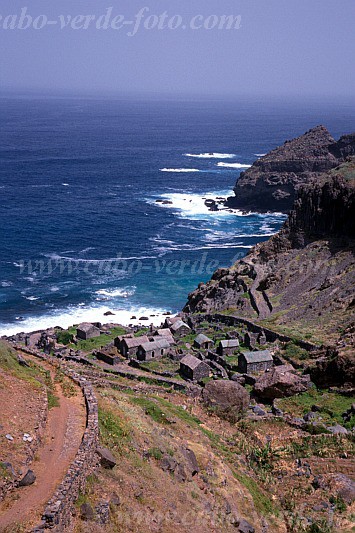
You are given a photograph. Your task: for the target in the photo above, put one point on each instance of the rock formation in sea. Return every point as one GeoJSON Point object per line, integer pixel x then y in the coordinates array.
{"type": "Point", "coordinates": [272, 182]}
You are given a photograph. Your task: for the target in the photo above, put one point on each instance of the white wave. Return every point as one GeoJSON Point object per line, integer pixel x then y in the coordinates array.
{"type": "Point", "coordinates": [259, 155]}
{"type": "Point", "coordinates": [65, 184]}
{"type": "Point", "coordinates": [31, 298]}
{"type": "Point", "coordinates": [88, 249]}
{"type": "Point", "coordinates": [75, 315]}
{"type": "Point", "coordinates": [56, 257]}
{"type": "Point", "coordinates": [112, 293]}
{"type": "Point", "coordinates": [209, 246]}
{"type": "Point", "coordinates": [6, 283]}
{"type": "Point", "coordinates": [176, 170]}
{"type": "Point", "coordinates": [212, 155]}
{"type": "Point", "coordinates": [192, 206]}
{"type": "Point", "coordinates": [233, 165]}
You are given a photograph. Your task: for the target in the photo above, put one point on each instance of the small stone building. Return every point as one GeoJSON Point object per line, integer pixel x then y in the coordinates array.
{"type": "Point", "coordinates": [170, 320]}
{"type": "Point", "coordinates": [87, 331]}
{"type": "Point", "coordinates": [153, 350]}
{"type": "Point", "coordinates": [180, 328]}
{"type": "Point", "coordinates": [251, 340]}
{"type": "Point", "coordinates": [108, 357]}
{"type": "Point", "coordinates": [250, 362]}
{"type": "Point", "coordinates": [227, 347]}
{"type": "Point", "coordinates": [193, 368]}
{"type": "Point", "coordinates": [164, 333]}
{"type": "Point", "coordinates": [202, 342]}
{"type": "Point", "coordinates": [129, 345]}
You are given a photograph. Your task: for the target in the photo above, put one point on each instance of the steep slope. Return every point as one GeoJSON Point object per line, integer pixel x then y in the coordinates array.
{"type": "Point", "coordinates": [301, 280]}
{"type": "Point", "coordinates": [272, 182]}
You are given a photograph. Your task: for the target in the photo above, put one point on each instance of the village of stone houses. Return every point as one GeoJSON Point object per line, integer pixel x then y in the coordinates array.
{"type": "Point", "coordinates": [209, 422]}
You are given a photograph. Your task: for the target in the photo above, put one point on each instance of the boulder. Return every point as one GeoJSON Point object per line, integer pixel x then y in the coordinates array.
{"type": "Point", "coordinates": [28, 479]}
{"type": "Point", "coordinates": [191, 461]}
{"type": "Point", "coordinates": [345, 488]}
{"type": "Point", "coordinates": [168, 464]}
{"type": "Point", "coordinates": [107, 460]}
{"type": "Point", "coordinates": [245, 527]}
{"type": "Point", "coordinates": [86, 512]}
{"type": "Point", "coordinates": [280, 383]}
{"type": "Point", "coordinates": [229, 399]}
{"type": "Point", "coordinates": [337, 430]}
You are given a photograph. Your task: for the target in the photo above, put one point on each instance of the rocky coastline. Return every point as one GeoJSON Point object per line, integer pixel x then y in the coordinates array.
{"type": "Point", "coordinates": [272, 182]}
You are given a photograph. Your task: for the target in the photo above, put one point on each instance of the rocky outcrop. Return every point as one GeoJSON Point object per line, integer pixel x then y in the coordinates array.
{"type": "Point", "coordinates": [272, 182]}
{"type": "Point", "coordinates": [227, 398]}
{"type": "Point", "coordinates": [280, 382]}
{"type": "Point", "coordinates": [302, 279]}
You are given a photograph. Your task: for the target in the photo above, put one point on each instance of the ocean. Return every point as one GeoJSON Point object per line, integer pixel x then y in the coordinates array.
{"type": "Point", "coordinates": [102, 201]}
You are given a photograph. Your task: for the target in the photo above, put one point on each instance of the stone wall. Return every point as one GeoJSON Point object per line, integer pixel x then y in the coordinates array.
{"type": "Point", "coordinates": [230, 320]}
{"type": "Point", "coordinates": [59, 510]}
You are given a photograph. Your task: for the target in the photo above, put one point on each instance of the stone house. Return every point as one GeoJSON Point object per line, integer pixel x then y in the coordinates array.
{"type": "Point", "coordinates": [108, 357]}
{"type": "Point", "coordinates": [259, 361]}
{"type": "Point", "coordinates": [153, 349]}
{"type": "Point", "coordinates": [202, 342]}
{"type": "Point", "coordinates": [87, 331]}
{"type": "Point", "coordinates": [193, 368]}
{"type": "Point", "coordinates": [227, 347]}
{"type": "Point", "coordinates": [129, 345]}
{"type": "Point", "coordinates": [180, 328]}
{"type": "Point", "coordinates": [170, 320]}
{"type": "Point", "coordinates": [164, 333]}
{"type": "Point", "coordinates": [251, 339]}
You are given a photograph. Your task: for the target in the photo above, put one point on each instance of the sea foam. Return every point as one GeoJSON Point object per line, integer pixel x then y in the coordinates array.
{"type": "Point", "coordinates": [233, 165]}
{"type": "Point", "coordinates": [177, 170]}
{"type": "Point", "coordinates": [212, 155]}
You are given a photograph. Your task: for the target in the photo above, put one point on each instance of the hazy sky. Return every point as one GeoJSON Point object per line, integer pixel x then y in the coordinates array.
{"type": "Point", "coordinates": [303, 47]}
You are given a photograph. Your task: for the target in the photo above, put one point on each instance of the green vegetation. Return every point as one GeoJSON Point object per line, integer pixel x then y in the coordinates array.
{"type": "Point", "coordinates": [179, 412]}
{"type": "Point", "coordinates": [152, 409]}
{"type": "Point", "coordinates": [339, 503]}
{"type": "Point", "coordinates": [53, 400]}
{"type": "Point", "coordinates": [293, 351]}
{"type": "Point", "coordinates": [188, 339]}
{"type": "Point", "coordinates": [98, 342]}
{"type": "Point", "coordinates": [262, 501]}
{"type": "Point", "coordinates": [321, 446]}
{"type": "Point", "coordinates": [66, 384]}
{"type": "Point", "coordinates": [64, 337]}
{"type": "Point", "coordinates": [162, 365]}
{"type": "Point", "coordinates": [141, 332]}
{"type": "Point", "coordinates": [321, 526]}
{"type": "Point", "coordinates": [114, 431]}
{"type": "Point", "coordinates": [156, 453]}
{"type": "Point", "coordinates": [9, 363]}
{"type": "Point", "coordinates": [4, 472]}
{"type": "Point", "coordinates": [330, 405]}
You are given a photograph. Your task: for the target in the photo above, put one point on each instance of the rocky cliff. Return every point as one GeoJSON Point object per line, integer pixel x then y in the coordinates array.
{"type": "Point", "coordinates": [301, 281]}
{"type": "Point", "coordinates": [271, 184]}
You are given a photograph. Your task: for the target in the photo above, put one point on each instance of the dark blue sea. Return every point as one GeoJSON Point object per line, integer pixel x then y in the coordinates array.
{"type": "Point", "coordinates": [82, 231]}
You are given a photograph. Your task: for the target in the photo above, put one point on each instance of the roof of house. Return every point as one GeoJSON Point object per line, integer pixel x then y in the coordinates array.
{"type": "Point", "coordinates": [163, 332]}
{"type": "Point", "coordinates": [172, 319]}
{"type": "Point", "coordinates": [260, 356]}
{"type": "Point", "coordinates": [178, 324]}
{"type": "Point", "coordinates": [201, 338]}
{"type": "Point", "coordinates": [229, 343]}
{"type": "Point", "coordinates": [191, 361]}
{"type": "Point", "coordinates": [155, 345]}
{"type": "Point", "coordinates": [134, 342]}
{"type": "Point", "coordinates": [86, 326]}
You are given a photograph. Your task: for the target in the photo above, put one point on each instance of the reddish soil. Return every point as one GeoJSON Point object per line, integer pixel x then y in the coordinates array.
{"type": "Point", "coordinates": [63, 434]}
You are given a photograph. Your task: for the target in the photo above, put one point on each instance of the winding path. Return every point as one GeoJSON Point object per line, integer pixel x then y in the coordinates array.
{"type": "Point", "coordinates": [63, 434]}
